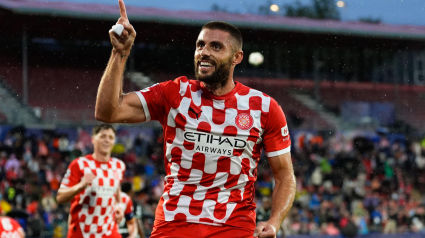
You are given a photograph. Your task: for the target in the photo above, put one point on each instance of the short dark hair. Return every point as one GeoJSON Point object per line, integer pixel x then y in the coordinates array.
{"type": "Point", "coordinates": [103, 126]}
{"type": "Point", "coordinates": [126, 187]}
{"type": "Point", "coordinates": [224, 26]}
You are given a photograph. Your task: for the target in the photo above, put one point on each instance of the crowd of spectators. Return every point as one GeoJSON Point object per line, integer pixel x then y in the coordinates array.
{"type": "Point", "coordinates": [346, 184]}
{"type": "Point", "coordinates": [357, 184]}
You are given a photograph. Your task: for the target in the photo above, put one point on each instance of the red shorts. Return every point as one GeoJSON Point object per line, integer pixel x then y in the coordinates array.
{"type": "Point", "coordinates": [173, 229]}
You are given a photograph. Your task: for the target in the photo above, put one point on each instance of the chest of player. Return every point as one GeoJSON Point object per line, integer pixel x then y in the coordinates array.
{"type": "Point", "coordinates": [212, 128]}
{"type": "Point", "coordinates": [106, 181]}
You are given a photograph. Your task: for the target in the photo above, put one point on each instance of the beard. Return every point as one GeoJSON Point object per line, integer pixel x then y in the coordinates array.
{"type": "Point", "coordinates": [219, 77]}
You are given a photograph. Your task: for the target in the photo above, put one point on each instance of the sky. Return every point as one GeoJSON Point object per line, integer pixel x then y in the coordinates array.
{"type": "Point", "coordinates": [400, 12]}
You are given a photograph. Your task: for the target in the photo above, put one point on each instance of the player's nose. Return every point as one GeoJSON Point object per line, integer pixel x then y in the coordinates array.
{"type": "Point", "coordinates": [205, 51]}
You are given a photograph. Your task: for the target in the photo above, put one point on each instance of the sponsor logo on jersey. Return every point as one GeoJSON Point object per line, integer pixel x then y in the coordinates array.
{"type": "Point", "coordinates": [194, 112]}
{"type": "Point", "coordinates": [285, 131]}
{"type": "Point", "coordinates": [244, 121]}
{"type": "Point", "coordinates": [214, 144]}
{"type": "Point", "coordinates": [103, 191]}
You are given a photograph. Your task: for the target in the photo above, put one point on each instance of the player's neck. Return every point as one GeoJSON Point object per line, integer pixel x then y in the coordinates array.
{"type": "Point", "coordinates": [101, 157]}
{"type": "Point", "coordinates": [220, 90]}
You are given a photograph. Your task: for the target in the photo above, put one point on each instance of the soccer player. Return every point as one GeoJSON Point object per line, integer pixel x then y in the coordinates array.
{"type": "Point", "coordinates": [10, 228]}
{"type": "Point", "coordinates": [214, 132]}
{"type": "Point", "coordinates": [92, 185]}
{"type": "Point", "coordinates": [132, 226]}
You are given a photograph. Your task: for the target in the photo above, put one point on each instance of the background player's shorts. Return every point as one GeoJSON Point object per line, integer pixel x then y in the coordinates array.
{"type": "Point", "coordinates": [173, 229]}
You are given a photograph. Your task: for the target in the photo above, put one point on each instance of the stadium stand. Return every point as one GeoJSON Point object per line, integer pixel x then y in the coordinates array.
{"type": "Point", "coordinates": [408, 99]}
{"type": "Point", "coordinates": [3, 118]}
{"type": "Point", "coordinates": [297, 114]}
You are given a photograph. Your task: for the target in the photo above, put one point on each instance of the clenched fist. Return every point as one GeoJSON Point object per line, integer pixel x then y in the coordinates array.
{"type": "Point", "coordinates": [87, 179]}
{"type": "Point", "coordinates": [265, 230]}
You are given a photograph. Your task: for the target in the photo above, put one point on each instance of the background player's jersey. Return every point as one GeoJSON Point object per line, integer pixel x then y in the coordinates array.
{"type": "Point", "coordinates": [212, 148]}
{"type": "Point", "coordinates": [92, 210]}
{"type": "Point", "coordinates": [127, 206]}
{"type": "Point", "coordinates": [9, 228]}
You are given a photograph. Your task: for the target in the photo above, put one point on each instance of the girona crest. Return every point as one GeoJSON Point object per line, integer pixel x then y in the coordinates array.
{"type": "Point", "coordinates": [244, 121]}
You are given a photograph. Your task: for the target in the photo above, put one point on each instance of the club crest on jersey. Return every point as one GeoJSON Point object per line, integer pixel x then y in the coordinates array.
{"type": "Point", "coordinates": [116, 175]}
{"type": "Point", "coordinates": [244, 121]}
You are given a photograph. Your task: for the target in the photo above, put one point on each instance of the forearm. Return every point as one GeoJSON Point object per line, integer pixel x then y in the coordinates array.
{"type": "Point", "coordinates": [118, 197]}
{"type": "Point", "coordinates": [140, 229]}
{"type": "Point", "coordinates": [132, 228]}
{"type": "Point", "coordinates": [110, 89]}
{"type": "Point", "coordinates": [282, 199]}
{"type": "Point", "coordinates": [65, 195]}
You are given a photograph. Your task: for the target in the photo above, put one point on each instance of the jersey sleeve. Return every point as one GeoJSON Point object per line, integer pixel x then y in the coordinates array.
{"type": "Point", "coordinates": [152, 101]}
{"type": "Point", "coordinates": [157, 99]}
{"type": "Point", "coordinates": [73, 175]}
{"type": "Point", "coordinates": [128, 213]}
{"type": "Point", "coordinates": [276, 135]}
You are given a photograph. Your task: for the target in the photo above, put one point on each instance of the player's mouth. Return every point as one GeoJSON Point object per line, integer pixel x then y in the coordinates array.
{"type": "Point", "coordinates": [206, 66]}
{"type": "Point", "coordinates": [106, 146]}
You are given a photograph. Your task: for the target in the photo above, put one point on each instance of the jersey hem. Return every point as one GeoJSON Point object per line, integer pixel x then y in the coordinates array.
{"type": "Point", "coordinates": [145, 106]}
{"type": "Point", "coordinates": [279, 152]}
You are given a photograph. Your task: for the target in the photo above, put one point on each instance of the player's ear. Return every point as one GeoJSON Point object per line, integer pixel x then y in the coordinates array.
{"type": "Point", "coordinates": [238, 57]}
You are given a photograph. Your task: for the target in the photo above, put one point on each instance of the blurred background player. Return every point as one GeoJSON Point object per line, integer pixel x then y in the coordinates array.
{"type": "Point", "coordinates": [9, 228]}
{"type": "Point", "coordinates": [92, 185]}
{"type": "Point", "coordinates": [132, 225]}
{"type": "Point", "coordinates": [215, 130]}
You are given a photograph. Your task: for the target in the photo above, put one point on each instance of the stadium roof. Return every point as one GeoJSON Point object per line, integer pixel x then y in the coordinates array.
{"type": "Point", "coordinates": [197, 18]}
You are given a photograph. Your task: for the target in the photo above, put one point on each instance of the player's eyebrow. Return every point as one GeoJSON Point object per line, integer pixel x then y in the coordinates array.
{"type": "Point", "coordinates": [199, 41]}
{"type": "Point", "coordinates": [217, 43]}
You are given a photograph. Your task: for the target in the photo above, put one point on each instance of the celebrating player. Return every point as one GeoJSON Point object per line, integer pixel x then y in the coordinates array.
{"type": "Point", "coordinates": [214, 132]}
{"type": "Point", "coordinates": [92, 185]}
{"type": "Point", "coordinates": [10, 228]}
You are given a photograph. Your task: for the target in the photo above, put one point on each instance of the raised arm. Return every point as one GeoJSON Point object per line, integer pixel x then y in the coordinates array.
{"type": "Point", "coordinates": [283, 195]}
{"type": "Point", "coordinates": [112, 105]}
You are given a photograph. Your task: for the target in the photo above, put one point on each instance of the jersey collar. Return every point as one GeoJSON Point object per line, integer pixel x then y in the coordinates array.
{"type": "Point", "coordinates": [228, 95]}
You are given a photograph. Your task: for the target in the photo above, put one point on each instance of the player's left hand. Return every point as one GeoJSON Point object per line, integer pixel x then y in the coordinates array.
{"type": "Point", "coordinates": [265, 230]}
{"type": "Point", "coordinates": [119, 215]}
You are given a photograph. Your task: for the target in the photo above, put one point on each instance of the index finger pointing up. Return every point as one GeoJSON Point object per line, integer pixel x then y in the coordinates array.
{"type": "Point", "coordinates": [123, 12]}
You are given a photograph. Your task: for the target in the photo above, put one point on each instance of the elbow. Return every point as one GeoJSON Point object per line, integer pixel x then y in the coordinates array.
{"type": "Point", "coordinates": [60, 199]}
{"type": "Point", "coordinates": [102, 118]}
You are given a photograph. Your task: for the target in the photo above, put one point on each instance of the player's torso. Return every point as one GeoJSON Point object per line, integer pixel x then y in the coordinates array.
{"type": "Point", "coordinates": [212, 147]}
{"type": "Point", "coordinates": [97, 201]}
{"type": "Point", "coordinates": [8, 228]}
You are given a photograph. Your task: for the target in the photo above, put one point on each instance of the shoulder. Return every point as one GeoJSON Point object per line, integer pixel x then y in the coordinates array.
{"type": "Point", "coordinates": [176, 83]}
{"type": "Point", "coordinates": [117, 163]}
{"type": "Point", "coordinates": [257, 100]}
{"type": "Point", "coordinates": [79, 163]}
{"type": "Point", "coordinates": [124, 197]}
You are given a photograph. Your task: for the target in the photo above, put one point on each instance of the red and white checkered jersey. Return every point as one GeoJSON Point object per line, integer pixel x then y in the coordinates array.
{"type": "Point", "coordinates": [212, 148]}
{"type": "Point", "coordinates": [92, 210]}
{"type": "Point", "coordinates": [9, 228]}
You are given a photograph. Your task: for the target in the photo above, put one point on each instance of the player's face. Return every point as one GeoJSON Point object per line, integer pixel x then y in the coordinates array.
{"type": "Point", "coordinates": [214, 56]}
{"type": "Point", "coordinates": [104, 141]}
